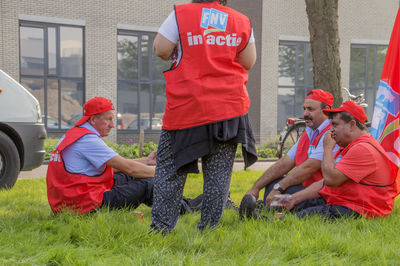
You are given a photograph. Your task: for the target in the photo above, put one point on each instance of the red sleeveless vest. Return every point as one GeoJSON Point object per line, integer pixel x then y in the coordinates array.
{"type": "Point", "coordinates": [366, 199]}
{"type": "Point", "coordinates": [208, 84]}
{"type": "Point", "coordinates": [303, 149]}
{"type": "Point", "coordinates": [77, 192]}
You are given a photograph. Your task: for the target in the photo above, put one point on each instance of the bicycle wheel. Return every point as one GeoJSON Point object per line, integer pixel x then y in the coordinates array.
{"type": "Point", "coordinates": [290, 137]}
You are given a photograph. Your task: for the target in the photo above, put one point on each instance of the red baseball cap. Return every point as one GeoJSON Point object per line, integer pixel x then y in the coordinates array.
{"type": "Point", "coordinates": [94, 106]}
{"type": "Point", "coordinates": [321, 96]}
{"type": "Point", "coordinates": [352, 108]}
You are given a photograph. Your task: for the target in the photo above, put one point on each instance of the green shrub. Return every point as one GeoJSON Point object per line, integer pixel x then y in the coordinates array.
{"type": "Point", "coordinates": [267, 150]}
{"type": "Point", "coordinates": [149, 147]}
{"type": "Point", "coordinates": [238, 154]}
{"type": "Point", "coordinates": [125, 150]}
{"type": "Point", "coordinates": [49, 146]}
{"type": "Point", "coordinates": [132, 150]}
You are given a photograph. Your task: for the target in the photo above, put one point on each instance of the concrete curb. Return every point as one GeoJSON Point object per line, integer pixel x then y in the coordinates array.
{"type": "Point", "coordinates": [46, 162]}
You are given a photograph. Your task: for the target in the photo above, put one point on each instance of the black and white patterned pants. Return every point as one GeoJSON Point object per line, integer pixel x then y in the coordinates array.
{"type": "Point", "coordinates": [169, 184]}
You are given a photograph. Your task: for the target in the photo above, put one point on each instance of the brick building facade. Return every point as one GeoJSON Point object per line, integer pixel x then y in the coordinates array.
{"type": "Point", "coordinates": [89, 37]}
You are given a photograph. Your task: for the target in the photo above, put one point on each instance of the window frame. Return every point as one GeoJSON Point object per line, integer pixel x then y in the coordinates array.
{"type": "Point", "coordinates": [368, 88]}
{"type": "Point", "coordinates": [305, 85]}
{"type": "Point", "coordinates": [141, 82]}
{"type": "Point", "coordinates": [46, 76]}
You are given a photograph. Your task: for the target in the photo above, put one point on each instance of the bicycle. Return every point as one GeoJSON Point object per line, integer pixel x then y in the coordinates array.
{"type": "Point", "coordinates": [295, 126]}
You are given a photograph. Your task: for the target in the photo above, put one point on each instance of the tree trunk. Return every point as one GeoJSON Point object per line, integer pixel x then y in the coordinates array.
{"type": "Point", "coordinates": [324, 38]}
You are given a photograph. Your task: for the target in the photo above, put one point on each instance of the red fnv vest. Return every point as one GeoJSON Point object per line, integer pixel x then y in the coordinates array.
{"type": "Point", "coordinates": [302, 154]}
{"type": "Point", "coordinates": [208, 84]}
{"type": "Point", "coordinates": [77, 192]}
{"type": "Point", "coordinates": [366, 199]}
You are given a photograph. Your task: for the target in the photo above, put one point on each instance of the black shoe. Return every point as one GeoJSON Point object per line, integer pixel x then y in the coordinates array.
{"type": "Point", "coordinates": [191, 205]}
{"type": "Point", "coordinates": [260, 206]}
{"type": "Point", "coordinates": [196, 203]}
{"type": "Point", "coordinates": [231, 205]}
{"type": "Point", "coordinates": [248, 207]}
{"type": "Point", "coordinates": [185, 208]}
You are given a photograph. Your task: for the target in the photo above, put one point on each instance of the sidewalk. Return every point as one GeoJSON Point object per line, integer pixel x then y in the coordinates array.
{"type": "Point", "coordinates": [260, 165]}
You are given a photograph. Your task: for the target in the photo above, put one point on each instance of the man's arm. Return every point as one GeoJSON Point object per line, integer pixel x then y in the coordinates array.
{"type": "Point", "coordinates": [247, 57]}
{"type": "Point", "coordinates": [131, 167]}
{"type": "Point", "coordinates": [149, 160]}
{"type": "Point", "coordinates": [332, 176]}
{"type": "Point", "coordinates": [163, 47]}
{"type": "Point", "coordinates": [299, 174]}
{"type": "Point", "coordinates": [278, 169]}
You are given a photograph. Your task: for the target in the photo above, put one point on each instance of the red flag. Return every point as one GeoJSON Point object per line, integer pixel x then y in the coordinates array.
{"type": "Point", "coordinates": [385, 121]}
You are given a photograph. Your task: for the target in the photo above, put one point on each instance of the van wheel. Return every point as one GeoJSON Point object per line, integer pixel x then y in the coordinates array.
{"type": "Point", "coordinates": [9, 162]}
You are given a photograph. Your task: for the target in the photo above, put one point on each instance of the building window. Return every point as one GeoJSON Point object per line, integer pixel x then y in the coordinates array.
{"type": "Point", "coordinates": [295, 79]}
{"type": "Point", "coordinates": [366, 64]}
{"type": "Point", "coordinates": [141, 84]}
{"type": "Point", "coordinates": [52, 69]}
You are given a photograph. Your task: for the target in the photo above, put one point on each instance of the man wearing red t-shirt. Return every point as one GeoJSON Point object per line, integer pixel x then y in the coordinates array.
{"type": "Point", "coordinates": [360, 180]}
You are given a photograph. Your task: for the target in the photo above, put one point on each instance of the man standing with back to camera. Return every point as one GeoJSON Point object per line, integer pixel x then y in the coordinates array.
{"type": "Point", "coordinates": [207, 103]}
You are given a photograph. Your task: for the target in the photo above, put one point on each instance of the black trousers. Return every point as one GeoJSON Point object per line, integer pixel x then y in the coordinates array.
{"type": "Point", "coordinates": [129, 192]}
{"type": "Point", "coordinates": [328, 211]}
{"type": "Point", "coordinates": [291, 190]}
{"type": "Point", "coordinates": [313, 206]}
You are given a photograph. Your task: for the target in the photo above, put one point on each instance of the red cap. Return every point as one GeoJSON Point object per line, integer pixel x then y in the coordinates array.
{"type": "Point", "coordinates": [94, 106]}
{"type": "Point", "coordinates": [352, 108]}
{"type": "Point", "coordinates": [321, 96]}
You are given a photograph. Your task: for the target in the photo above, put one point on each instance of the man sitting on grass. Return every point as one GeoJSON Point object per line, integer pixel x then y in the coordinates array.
{"type": "Point", "coordinates": [360, 180]}
{"type": "Point", "coordinates": [302, 164]}
{"type": "Point", "coordinates": [84, 173]}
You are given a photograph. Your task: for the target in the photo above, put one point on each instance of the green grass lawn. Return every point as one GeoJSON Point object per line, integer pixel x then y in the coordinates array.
{"type": "Point", "coordinates": [31, 234]}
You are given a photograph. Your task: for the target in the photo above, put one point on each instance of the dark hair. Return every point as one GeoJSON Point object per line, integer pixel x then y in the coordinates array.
{"type": "Point", "coordinates": [324, 105]}
{"type": "Point", "coordinates": [346, 117]}
{"type": "Point", "coordinates": [222, 2]}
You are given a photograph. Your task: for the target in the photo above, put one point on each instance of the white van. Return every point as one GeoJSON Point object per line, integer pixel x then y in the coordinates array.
{"type": "Point", "coordinates": [22, 132]}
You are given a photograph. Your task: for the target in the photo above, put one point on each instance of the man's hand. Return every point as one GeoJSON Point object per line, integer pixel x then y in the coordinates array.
{"type": "Point", "coordinates": [271, 195]}
{"type": "Point", "coordinates": [332, 176]}
{"type": "Point", "coordinates": [289, 203]}
{"type": "Point", "coordinates": [329, 141]}
{"type": "Point", "coordinates": [132, 167]}
{"type": "Point", "coordinates": [151, 158]}
{"type": "Point", "coordinates": [254, 192]}
{"type": "Point", "coordinates": [278, 169]}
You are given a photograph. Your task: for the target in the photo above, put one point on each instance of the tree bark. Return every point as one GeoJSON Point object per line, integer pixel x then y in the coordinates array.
{"type": "Point", "coordinates": [324, 38]}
